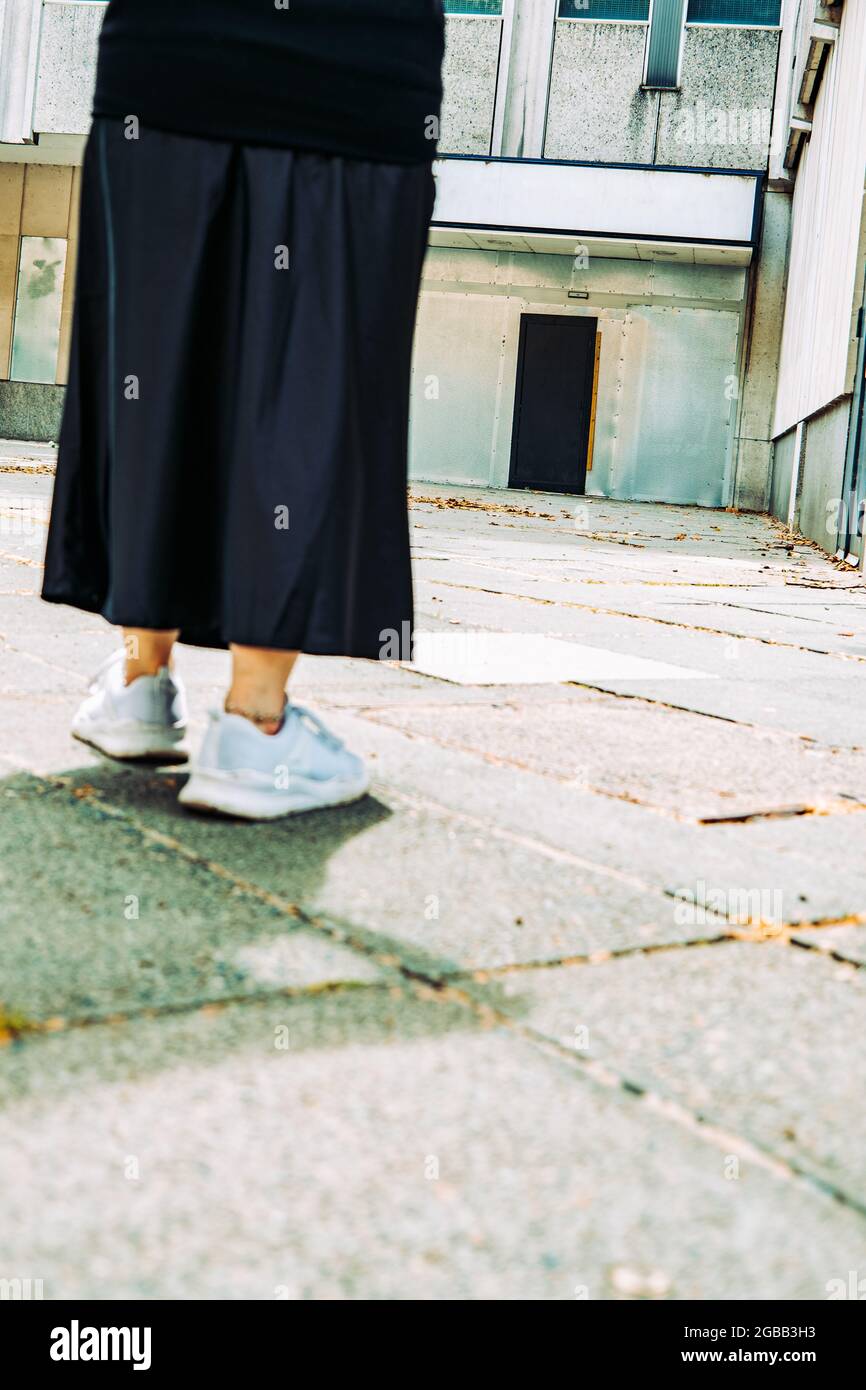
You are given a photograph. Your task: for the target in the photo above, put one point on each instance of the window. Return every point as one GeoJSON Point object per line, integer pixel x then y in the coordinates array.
{"type": "Point", "coordinates": [734, 11]}
{"type": "Point", "coordinates": [604, 9]}
{"type": "Point", "coordinates": [473, 7]}
{"type": "Point", "coordinates": [36, 328]}
{"type": "Point", "coordinates": [664, 42]}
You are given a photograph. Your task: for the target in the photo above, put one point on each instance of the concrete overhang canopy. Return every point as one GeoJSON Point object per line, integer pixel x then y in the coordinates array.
{"type": "Point", "coordinates": [820, 41]}
{"type": "Point", "coordinates": [798, 133]}
{"type": "Point", "coordinates": [636, 212]}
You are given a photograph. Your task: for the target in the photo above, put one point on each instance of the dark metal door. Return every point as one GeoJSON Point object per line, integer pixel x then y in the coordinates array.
{"type": "Point", "coordinates": [553, 402]}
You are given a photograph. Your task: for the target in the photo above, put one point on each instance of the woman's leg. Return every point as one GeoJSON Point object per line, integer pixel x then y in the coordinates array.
{"type": "Point", "coordinates": [259, 674]}
{"type": "Point", "coordinates": [147, 651]}
{"type": "Point", "coordinates": [258, 688]}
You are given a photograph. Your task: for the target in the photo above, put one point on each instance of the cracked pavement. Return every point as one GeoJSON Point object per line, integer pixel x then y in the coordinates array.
{"type": "Point", "coordinates": [571, 1006]}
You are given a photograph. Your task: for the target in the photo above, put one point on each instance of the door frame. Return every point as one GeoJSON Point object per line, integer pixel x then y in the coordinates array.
{"type": "Point", "coordinates": [525, 320]}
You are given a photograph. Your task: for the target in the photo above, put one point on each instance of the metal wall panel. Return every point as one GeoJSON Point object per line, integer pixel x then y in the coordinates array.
{"type": "Point", "coordinates": [455, 385]}
{"type": "Point", "coordinates": [820, 504]}
{"type": "Point", "coordinates": [675, 405]}
{"type": "Point", "coordinates": [783, 467]}
{"type": "Point", "coordinates": [827, 209]}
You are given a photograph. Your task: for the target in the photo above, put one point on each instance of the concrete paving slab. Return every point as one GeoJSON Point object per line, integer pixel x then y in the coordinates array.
{"type": "Point", "coordinates": [806, 868]}
{"type": "Point", "coordinates": [96, 922]}
{"type": "Point", "coordinates": [612, 561]}
{"type": "Point", "coordinates": [21, 455]}
{"type": "Point", "coordinates": [846, 606]}
{"type": "Point", "coordinates": [823, 709]}
{"type": "Point", "coordinates": [21, 619]}
{"type": "Point", "coordinates": [845, 943]}
{"type": "Point", "coordinates": [749, 607]}
{"type": "Point", "coordinates": [20, 574]}
{"type": "Point", "coordinates": [36, 737]}
{"type": "Point", "coordinates": [455, 508]}
{"type": "Point", "coordinates": [815, 629]}
{"type": "Point", "coordinates": [23, 675]}
{"type": "Point", "coordinates": [679, 762]}
{"type": "Point", "coordinates": [750, 675]}
{"type": "Point", "coordinates": [396, 1155]}
{"type": "Point", "coordinates": [590, 516]}
{"type": "Point", "coordinates": [441, 895]}
{"type": "Point", "coordinates": [762, 1039]}
{"type": "Point", "coordinates": [711, 651]}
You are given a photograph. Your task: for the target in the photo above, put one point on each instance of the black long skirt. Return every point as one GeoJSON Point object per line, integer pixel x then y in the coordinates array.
{"type": "Point", "coordinates": [232, 458]}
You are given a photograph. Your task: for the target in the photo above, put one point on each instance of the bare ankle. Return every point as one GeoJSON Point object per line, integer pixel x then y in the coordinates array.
{"type": "Point", "coordinates": [147, 652]}
{"type": "Point", "coordinates": [262, 713]}
{"type": "Point", "coordinates": [258, 686]}
{"type": "Point", "coordinates": [133, 669]}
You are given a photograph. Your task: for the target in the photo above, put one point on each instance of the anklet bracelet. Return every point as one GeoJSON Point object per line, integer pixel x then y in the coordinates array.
{"type": "Point", "coordinates": [256, 716]}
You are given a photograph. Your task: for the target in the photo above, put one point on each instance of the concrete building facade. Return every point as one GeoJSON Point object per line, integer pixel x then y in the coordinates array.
{"type": "Point", "coordinates": [604, 292]}
{"type": "Point", "coordinates": [577, 185]}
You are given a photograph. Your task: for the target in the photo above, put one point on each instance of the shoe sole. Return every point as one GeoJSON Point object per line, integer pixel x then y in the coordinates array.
{"type": "Point", "coordinates": [135, 745]}
{"type": "Point", "coordinates": [224, 795]}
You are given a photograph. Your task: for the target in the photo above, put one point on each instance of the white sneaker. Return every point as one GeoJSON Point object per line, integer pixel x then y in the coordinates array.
{"type": "Point", "coordinates": [243, 772]}
{"type": "Point", "coordinates": [146, 719]}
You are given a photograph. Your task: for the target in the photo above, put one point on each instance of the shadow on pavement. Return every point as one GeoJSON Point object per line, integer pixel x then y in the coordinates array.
{"type": "Point", "coordinates": [111, 918]}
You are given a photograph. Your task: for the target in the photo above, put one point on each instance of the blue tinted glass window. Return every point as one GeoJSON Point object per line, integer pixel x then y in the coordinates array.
{"type": "Point", "coordinates": [604, 9]}
{"type": "Point", "coordinates": [734, 11]}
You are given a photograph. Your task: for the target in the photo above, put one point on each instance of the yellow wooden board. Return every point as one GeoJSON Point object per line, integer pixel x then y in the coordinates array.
{"type": "Point", "coordinates": [591, 444]}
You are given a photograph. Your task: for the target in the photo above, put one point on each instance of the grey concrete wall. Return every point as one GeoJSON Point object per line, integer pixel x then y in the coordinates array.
{"type": "Point", "coordinates": [754, 428]}
{"type": "Point", "coordinates": [469, 78]}
{"type": "Point", "coordinates": [720, 118]}
{"type": "Point", "coordinates": [596, 108]}
{"type": "Point", "coordinates": [67, 70]}
{"type": "Point", "coordinates": [67, 67]}
{"type": "Point", "coordinates": [30, 410]}
{"type": "Point", "coordinates": [823, 474]}
{"type": "Point", "coordinates": [722, 115]}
